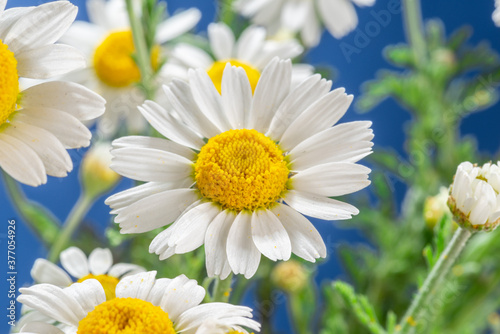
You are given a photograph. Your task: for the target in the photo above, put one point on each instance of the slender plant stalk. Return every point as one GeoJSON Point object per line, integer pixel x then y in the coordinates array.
{"type": "Point", "coordinates": [222, 289]}
{"type": "Point", "coordinates": [74, 219]}
{"type": "Point", "coordinates": [434, 280]}
{"type": "Point", "coordinates": [227, 14]}
{"type": "Point", "coordinates": [142, 54]}
{"type": "Point", "coordinates": [412, 18]}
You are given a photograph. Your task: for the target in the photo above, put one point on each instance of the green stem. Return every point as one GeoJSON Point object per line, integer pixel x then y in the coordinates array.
{"type": "Point", "coordinates": [142, 53]}
{"type": "Point", "coordinates": [227, 13]}
{"type": "Point", "coordinates": [74, 219]}
{"type": "Point", "coordinates": [41, 221]}
{"type": "Point", "coordinates": [434, 280]}
{"type": "Point", "coordinates": [222, 289]}
{"type": "Point", "coordinates": [299, 315]}
{"type": "Point", "coordinates": [412, 18]}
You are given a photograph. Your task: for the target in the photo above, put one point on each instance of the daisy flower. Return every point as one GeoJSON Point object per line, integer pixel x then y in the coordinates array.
{"type": "Point", "coordinates": [233, 160]}
{"type": "Point", "coordinates": [474, 196]}
{"type": "Point", "coordinates": [39, 123]}
{"type": "Point", "coordinates": [143, 304]}
{"type": "Point", "coordinates": [108, 45]}
{"type": "Point", "coordinates": [304, 16]}
{"type": "Point", "coordinates": [251, 51]}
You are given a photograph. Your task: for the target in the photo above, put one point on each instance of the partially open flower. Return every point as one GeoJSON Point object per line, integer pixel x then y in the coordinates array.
{"type": "Point", "coordinates": [474, 196]}
{"type": "Point", "coordinates": [290, 276]}
{"type": "Point", "coordinates": [435, 207]}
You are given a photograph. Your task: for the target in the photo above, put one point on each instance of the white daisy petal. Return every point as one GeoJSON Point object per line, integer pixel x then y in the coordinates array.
{"type": "Point", "coordinates": [75, 262]}
{"type": "Point", "coordinates": [347, 142]}
{"type": "Point", "coordinates": [84, 35]}
{"type": "Point", "coordinates": [243, 256]}
{"type": "Point", "coordinates": [53, 302]}
{"type": "Point", "coordinates": [156, 143]}
{"type": "Point", "coordinates": [40, 328]}
{"type": "Point", "coordinates": [20, 161]}
{"type": "Point", "coordinates": [44, 271]}
{"type": "Point", "coordinates": [71, 132]}
{"type": "Point", "coordinates": [189, 231]}
{"type": "Point", "coordinates": [221, 40]}
{"type": "Point", "coordinates": [269, 236]}
{"type": "Point", "coordinates": [321, 115]}
{"type": "Point", "coordinates": [43, 25]}
{"type": "Point", "coordinates": [215, 244]}
{"type": "Point", "coordinates": [332, 179]}
{"type": "Point", "coordinates": [318, 206]}
{"type": "Point", "coordinates": [125, 198]}
{"type": "Point", "coordinates": [49, 61]}
{"type": "Point", "coordinates": [136, 286]}
{"type": "Point", "coordinates": [236, 95]}
{"type": "Point", "coordinates": [161, 165]}
{"type": "Point", "coordinates": [180, 295]}
{"type": "Point", "coordinates": [177, 25]}
{"type": "Point", "coordinates": [208, 98]}
{"type": "Point", "coordinates": [169, 126]}
{"type": "Point", "coordinates": [250, 43]}
{"type": "Point", "coordinates": [339, 16]}
{"type": "Point", "coordinates": [182, 101]}
{"type": "Point", "coordinates": [78, 101]}
{"type": "Point", "coordinates": [3, 3]}
{"type": "Point", "coordinates": [311, 31]}
{"type": "Point", "coordinates": [9, 17]}
{"type": "Point", "coordinates": [88, 294]}
{"type": "Point", "coordinates": [191, 56]}
{"type": "Point", "coordinates": [296, 102]}
{"type": "Point", "coordinates": [281, 49]}
{"type": "Point", "coordinates": [271, 89]}
{"type": "Point", "coordinates": [144, 215]}
{"type": "Point", "coordinates": [124, 269]}
{"type": "Point", "coordinates": [100, 260]}
{"type": "Point", "coordinates": [50, 150]}
{"type": "Point", "coordinates": [294, 14]}
{"type": "Point", "coordinates": [305, 239]}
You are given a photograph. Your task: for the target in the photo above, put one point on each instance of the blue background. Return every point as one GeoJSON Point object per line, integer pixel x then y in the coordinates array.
{"type": "Point", "coordinates": [59, 195]}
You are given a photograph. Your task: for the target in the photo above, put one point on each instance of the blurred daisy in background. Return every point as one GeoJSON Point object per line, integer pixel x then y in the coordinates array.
{"type": "Point", "coordinates": [496, 13]}
{"type": "Point", "coordinates": [39, 123]}
{"type": "Point", "coordinates": [143, 304]}
{"type": "Point", "coordinates": [226, 178]}
{"type": "Point", "coordinates": [252, 52]}
{"type": "Point", "coordinates": [304, 16]}
{"type": "Point", "coordinates": [108, 45]}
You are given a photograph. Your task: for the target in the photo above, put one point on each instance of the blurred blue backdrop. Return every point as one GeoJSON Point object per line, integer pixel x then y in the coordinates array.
{"type": "Point", "coordinates": [59, 195]}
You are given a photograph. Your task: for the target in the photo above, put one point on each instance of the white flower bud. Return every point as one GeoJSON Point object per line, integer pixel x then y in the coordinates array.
{"type": "Point", "coordinates": [474, 196]}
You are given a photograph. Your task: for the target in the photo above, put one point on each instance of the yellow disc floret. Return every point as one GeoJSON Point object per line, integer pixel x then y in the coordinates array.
{"type": "Point", "coordinates": [126, 316]}
{"type": "Point", "coordinates": [108, 283]}
{"type": "Point", "coordinates": [9, 83]}
{"type": "Point", "coordinates": [215, 73]}
{"type": "Point", "coordinates": [241, 169]}
{"type": "Point", "coordinates": [113, 60]}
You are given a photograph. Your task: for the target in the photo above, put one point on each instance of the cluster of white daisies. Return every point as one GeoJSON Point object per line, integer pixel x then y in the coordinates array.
{"type": "Point", "coordinates": [250, 144]}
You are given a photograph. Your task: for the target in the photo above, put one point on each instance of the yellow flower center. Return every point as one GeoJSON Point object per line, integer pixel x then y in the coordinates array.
{"type": "Point", "coordinates": [215, 73]}
{"type": "Point", "coordinates": [108, 283]}
{"type": "Point", "coordinates": [241, 169]}
{"type": "Point", "coordinates": [113, 60]}
{"type": "Point", "coordinates": [126, 316]}
{"type": "Point", "coordinates": [9, 83]}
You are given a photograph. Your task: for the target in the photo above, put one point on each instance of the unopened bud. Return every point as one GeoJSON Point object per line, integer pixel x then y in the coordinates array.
{"type": "Point", "coordinates": [290, 276]}
{"type": "Point", "coordinates": [96, 176]}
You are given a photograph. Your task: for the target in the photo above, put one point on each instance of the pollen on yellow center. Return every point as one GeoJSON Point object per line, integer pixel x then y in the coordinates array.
{"type": "Point", "coordinates": [108, 283]}
{"type": "Point", "coordinates": [9, 83]}
{"type": "Point", "coordinates": [241, 169]}
{"type": "Point", "coordinates": [215, 72]}
{"type": "Point", "coordinates": [113, 62]}
{"type": "Point", "coordinates": [126, 316]}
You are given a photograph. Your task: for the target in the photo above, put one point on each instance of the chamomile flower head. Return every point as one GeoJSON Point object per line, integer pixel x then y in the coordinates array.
{"type": "Point", "coordinates": [234, 159]}
{"type": "Point", "coordinates": [99, 265]}
{"type": "Point", "coordinates": [39, 123]}
{"type": "Point", "coordinates": [143, 305]}
{"type": "Point", "coordinates": [475, 196]}
{"type": "Point", "coordinates": [252, 52]}
{"type": "Point", "coordinates": [108, 45]}
{"type": "Point", "coordinates": [304, 16]}
{"type": "Point", "coordinates": [496, 13]}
